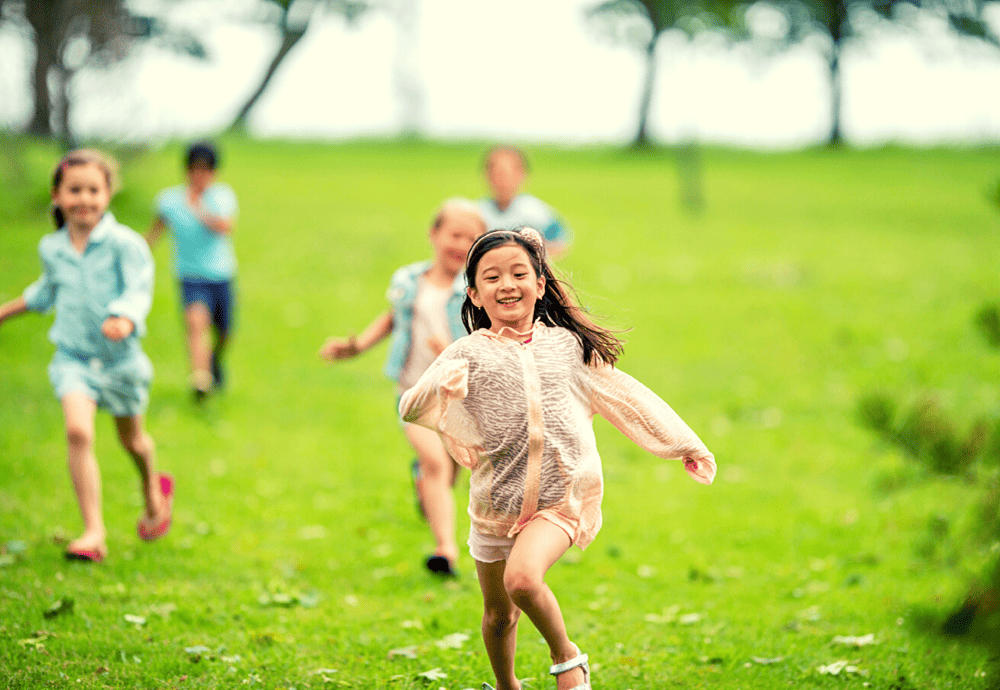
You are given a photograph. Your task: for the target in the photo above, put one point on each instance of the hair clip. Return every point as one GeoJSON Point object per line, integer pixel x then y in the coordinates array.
{"type": "Point", "coordinates": [532, 236]}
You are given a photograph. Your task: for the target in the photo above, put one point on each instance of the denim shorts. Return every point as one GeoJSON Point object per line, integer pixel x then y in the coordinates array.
{"type": "Point", "coordinates": [120, 386]}
{"type": "Point", "coordinates": [217, 296]}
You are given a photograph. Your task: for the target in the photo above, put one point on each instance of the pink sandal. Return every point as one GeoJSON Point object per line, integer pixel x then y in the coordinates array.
{"type": "Point", "coordinates": [96, 555]}
{"type": "Point", "coordinates": [161, 528]}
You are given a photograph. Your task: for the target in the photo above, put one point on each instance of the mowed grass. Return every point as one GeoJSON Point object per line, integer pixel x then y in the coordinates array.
{"type": "Point", "coordinates": [295, 559]}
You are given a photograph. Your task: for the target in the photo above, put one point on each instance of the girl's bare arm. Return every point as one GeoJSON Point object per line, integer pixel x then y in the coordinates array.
{"type": "Point", "coordinates": [351, 346]}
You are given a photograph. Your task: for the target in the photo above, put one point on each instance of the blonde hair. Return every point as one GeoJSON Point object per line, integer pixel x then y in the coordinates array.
{"type": "Point", "coordinates": [106, 163]}
{"type": "Point", "coordinates": [457, 204]}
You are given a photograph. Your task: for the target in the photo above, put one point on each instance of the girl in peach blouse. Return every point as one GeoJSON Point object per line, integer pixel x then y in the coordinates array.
{"type": "Point", "coordinates": [514, 402]}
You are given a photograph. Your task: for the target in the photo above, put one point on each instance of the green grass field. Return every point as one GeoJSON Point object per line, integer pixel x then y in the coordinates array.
{"type": "Point", "coordinates": [295, 560]}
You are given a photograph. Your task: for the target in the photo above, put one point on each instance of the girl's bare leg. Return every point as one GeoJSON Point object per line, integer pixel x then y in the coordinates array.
{"type": "Point", "coordinates": [140, 446]}
{"type": "Point", "coordinates": [499, 624]}
{"type": "Point", "coordinates": [535, 550]}
{"type": "Point", "coordinates": [197, 321]}
{"type": "Point", "coordinates": [437, 474]}
{"type": "Point", "coordinates": [78, 411]}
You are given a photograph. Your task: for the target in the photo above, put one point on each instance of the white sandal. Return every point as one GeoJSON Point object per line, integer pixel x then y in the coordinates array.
{"type": "Point", "coordinates": [579, 660]}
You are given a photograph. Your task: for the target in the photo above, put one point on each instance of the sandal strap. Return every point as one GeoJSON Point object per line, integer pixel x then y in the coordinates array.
{"type": "Point", "coordinates": [556, 669]}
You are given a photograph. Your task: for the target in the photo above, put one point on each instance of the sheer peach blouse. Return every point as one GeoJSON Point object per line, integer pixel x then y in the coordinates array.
{"type": "Point", "coordinates": [520, 417]}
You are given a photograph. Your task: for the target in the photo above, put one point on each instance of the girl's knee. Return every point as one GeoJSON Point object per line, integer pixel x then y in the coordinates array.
{"type": "Point", "coordinates": [137, 443]}
{"type": "Point", "coordinates": [521, 585]}
{"type": "Point", "coordinates": [497, 622]}
{"type": "Point", "coordinates": [79, 435]}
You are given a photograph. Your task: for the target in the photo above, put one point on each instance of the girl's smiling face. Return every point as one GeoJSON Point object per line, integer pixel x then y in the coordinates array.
{"type": "Point", "coordinates": [82, 195]}
{"type": "Point", "coordinates": [507, 287]}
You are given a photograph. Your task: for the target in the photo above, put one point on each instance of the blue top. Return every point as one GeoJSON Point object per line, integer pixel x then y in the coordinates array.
{"type": "Point", "coordinates": [402, 293]}
{"type": "Point", "coordinates": [199, 253]}
{"type": "Point", "coordinates": [113, 276]}
{"type": "Point", "coordinates": [525, 209]}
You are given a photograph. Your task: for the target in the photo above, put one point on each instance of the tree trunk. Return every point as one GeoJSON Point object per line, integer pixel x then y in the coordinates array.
{"type": "Point", "coordinates": [836, 136]}
{"type": "Point", "coordinates": [43, 22]}
{"type": "Point", "coordinates": [61, 107]}
{"type": "Point", "coordinates": [836, 25]}
{"type": "Point", "coordinates": [288, 40]}
{"type": "Point", "coordinates": [642, 134]}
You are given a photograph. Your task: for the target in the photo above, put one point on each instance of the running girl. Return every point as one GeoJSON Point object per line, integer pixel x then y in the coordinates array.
{"type": "Point", "coordinates": [514, 402]}
{"type": "Point", "coordinates": [98, 274]}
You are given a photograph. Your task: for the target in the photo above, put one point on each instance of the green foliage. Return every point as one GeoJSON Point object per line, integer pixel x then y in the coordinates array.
{"type": "Point", "coordinates": [295, 555]}
{"type": "Point", "coordinates": [988, 321]}
{"type": "Point", "coordinates": [927, 434]}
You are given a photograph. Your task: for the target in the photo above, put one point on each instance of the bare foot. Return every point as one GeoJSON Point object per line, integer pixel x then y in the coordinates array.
{"type": "Point", "coordinates": [155, 522]}
{"type": "Point", "coordinates": [569, 679]}
{"type": "Point", "coordinates": [88, 547]}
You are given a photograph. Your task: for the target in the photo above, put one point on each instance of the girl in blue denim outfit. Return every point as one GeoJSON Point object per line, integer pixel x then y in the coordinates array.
{"type": "Point", "coordinates": [98, 275]}
{"type": "Point", "coordinates": [425, 317]}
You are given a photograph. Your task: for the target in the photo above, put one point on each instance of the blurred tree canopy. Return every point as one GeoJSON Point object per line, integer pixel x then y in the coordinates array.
{"type": "Point", "coordinates": [69, 35]}
{"type": "Point", "coordinates": [293, 19]}
{"type": "Point", "coordinates": [640, 23]}
{"type": "Point", "coordinates": [838, 21]}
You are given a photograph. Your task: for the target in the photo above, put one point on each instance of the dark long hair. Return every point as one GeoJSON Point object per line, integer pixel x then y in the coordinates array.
{"type": "Point", "coordinates": [556, 306]}
{"type": "Point", "coordinates": [83, 157]}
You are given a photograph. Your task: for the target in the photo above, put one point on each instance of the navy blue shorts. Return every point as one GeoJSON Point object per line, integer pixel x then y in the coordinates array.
{"type": "Point", "coordinates": [217, 296]}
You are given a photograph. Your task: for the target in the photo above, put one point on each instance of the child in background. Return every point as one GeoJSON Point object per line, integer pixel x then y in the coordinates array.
{"type": "Point", "coordinates": [98, 274]}
{"type": "Point", "coordinates": [201, 215]}
{"type": "Point", "coordinates": [424, 318]}
{"type": "Point", "coordinates": [506, 168]}
{"type": "Point", "coordinates": [514, 402]}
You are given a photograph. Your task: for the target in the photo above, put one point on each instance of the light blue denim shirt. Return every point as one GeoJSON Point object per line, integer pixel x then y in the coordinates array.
{"type": "Point", "coordinates": [402, 294]}
{"type": "Point", "coordinates": [528, 210]}
{"type": "Point", "coordinates": [113, 276]}
{"type": "Point", "coordinates": [199, 252]}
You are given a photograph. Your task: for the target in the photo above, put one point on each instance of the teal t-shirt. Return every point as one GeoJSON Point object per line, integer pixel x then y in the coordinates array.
{"type": "Point", "coordinates": [199, 253]}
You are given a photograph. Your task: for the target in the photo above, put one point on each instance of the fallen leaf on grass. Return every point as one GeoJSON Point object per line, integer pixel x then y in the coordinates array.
{"type": "Point", "coordinates": [837, 667]}
{"type": "Point", "coordinates": [59, 607]}
{"type": "Point", "coordinates": [35, 641]}
{"type": "Point", "coordinates": [15, 546]}
{"type": "Point", "coordinates": [453, 641]}
{"type": "Point", "coordinates": [163, 610]}
{"type": "Point", "coordinates": [433, 674]}
{"type": "Point", "coordinates": [854, 641]}
{"type": "Point", "coordinates": [409, 652]}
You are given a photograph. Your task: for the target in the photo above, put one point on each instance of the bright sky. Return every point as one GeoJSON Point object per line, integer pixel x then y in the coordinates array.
{"type": "Point", "coordinates": [529, 71]}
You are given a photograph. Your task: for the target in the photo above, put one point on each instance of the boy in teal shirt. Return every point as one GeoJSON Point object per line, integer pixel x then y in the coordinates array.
{"type": "Point", "coordinates": [201, 216]}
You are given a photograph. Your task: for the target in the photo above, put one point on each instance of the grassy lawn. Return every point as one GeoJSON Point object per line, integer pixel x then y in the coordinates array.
{"type": "Point", "coordinates": [295, 559]}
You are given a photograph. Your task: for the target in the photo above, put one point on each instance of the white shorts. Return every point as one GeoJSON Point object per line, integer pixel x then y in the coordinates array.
{"type": "Point", "coordinates": [487, 548]}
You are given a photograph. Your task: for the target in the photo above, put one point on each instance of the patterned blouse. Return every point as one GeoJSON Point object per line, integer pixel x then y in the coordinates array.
{"type": "Point", "coordinates": [520, 417]}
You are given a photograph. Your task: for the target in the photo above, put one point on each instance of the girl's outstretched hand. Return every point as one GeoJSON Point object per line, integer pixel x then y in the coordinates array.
{"type": "Point", "coordinates": [339, 348]}
{"type": "Point", "coordinates": [117, 327]}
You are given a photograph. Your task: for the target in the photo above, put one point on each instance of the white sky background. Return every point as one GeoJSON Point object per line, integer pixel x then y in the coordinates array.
{"type": "Point", "coordinates": [528, 71]}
